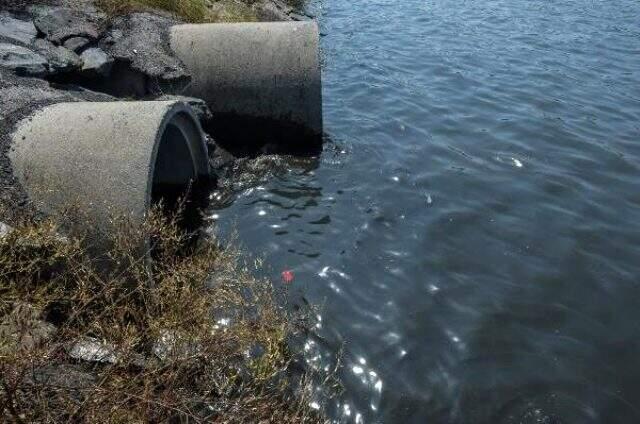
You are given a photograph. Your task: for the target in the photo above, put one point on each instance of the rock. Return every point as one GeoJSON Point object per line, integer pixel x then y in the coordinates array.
{"type": "Point", "coordinates": [64, 376]}
{"type": "Point", "coordinates": [52, 378]}
{"type": "Point", "coordinates": [22, 329]}
{"type": "Point", "coordinates": [272, 10]}
{"type": "Point", "coordinates": [60, 59]}
{"type": "Point", "coordinates": [5, 230]}
{"type": "Point", "coordinates": [59, 24]}
{"type": "Point", "coordinates": [76, 44]}
{"type": "Point", "coordinates": [141, 40]}
{"type": "Point", "coordinates": [113, 36]}
{"type": "Point", "coordinates": [298, 17]}
{"type": "Point", "coordinates": [93, 350]}
{"type": "Point", "coordinates": [96, 62]}
{"type": "Point", "coordinates": [15, 30]}
{"type": "Point", "coordinates": [22, 60]}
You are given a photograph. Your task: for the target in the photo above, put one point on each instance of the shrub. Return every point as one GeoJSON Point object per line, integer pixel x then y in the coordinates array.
{"type": "Point", "coordinates": [190, 336]}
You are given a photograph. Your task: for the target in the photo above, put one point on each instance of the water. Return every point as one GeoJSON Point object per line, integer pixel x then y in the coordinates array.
{"type": "Point", "coordinates": [472, 228]}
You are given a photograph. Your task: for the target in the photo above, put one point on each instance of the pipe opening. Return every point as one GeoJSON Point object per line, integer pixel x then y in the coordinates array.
{"type": "Point", "coordinates": [177, 177]}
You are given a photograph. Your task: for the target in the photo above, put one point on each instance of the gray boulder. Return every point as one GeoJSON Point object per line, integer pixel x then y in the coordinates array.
{"type": "Point", "coordinates": [96, 62]}
{"type": "Point", "coordinates": [22, 60]}
{"type": "Point", "coordinates": [59, 24]}
{"type": "Point", "coordinates": [15, 30]}
{"type": "Point", "coordinates": [76, 44]}
{"type": "Point", "coordinates": [60, 59]}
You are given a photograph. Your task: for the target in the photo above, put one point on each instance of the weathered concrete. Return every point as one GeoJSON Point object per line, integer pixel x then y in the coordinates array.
{"type": "Point", "coordinates": [260, 70]}
{"type": "Point", "coordinates": [107, 159]}
{"type": "Point", "coordinates": [19, 98]}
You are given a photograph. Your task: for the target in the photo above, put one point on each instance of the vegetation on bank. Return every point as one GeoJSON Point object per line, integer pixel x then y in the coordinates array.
{"type": "Point", "coordinates": [189, 10]}
{"type": "Point", "coordinates": [192, 10]}
{"type": "Point", "coordinates": [191, 336]}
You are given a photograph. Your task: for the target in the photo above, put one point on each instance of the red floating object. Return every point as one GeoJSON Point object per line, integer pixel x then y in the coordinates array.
{"type": "Point", "coordinates": [287, 276]}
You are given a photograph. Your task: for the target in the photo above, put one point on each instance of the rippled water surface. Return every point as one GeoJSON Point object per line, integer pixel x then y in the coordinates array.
{"type": "Point", "coordinates": [472, 228]}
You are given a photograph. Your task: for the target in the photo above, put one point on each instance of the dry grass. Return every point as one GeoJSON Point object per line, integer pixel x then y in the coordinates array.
{"type": "Point", "coordinates": [230, 11]}
{"type": "Point", "coordinates": [197, 11]}
{"type": "Point", "coordinates": [189, 10]}
{"type": "Point", "coordinates": [193, 337]}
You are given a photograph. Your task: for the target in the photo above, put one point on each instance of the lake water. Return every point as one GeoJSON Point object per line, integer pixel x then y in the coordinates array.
{"type": "Point", "coordinates": [472, 228]}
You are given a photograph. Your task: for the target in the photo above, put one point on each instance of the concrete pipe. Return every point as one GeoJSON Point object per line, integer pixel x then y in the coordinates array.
{"type": "Point", "coordinates": [110, 159]}
{"type": "Point", "coordinates": [268, 71]}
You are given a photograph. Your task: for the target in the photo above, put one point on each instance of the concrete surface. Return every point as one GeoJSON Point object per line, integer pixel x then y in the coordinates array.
{"type": "Point", "coordinates": [107, 159]}
{"type": "Point", "coordinates": [260, 70]}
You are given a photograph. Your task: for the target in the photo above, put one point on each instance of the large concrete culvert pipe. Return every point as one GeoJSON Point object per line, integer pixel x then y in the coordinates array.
{"type": "Point", "coordinates": [269, 71]}
{"type": "Point", "coordinates": [108, 160]}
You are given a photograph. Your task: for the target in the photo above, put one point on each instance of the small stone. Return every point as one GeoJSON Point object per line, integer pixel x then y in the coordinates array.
{"type": "Point", "coordinates": [5, 230]}
{"type": "Point", "coordinates": [61, 60]}
{"type": "Point", "coordinates": [97, 62]}
{"type": "Point", "coordinates": [59, 24]}
{"type": "Point", "coordinates": [22, 61]}
{"type": "Point", "coordinates": [16, 30]}
{"type": "Point", "coordinates": [76, 44]}
{"type": "Point", "coordinates": [93, 350]}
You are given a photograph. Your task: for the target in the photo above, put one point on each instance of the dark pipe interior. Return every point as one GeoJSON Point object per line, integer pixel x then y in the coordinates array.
{"type": "Point", "coordinates": [175, 181]}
